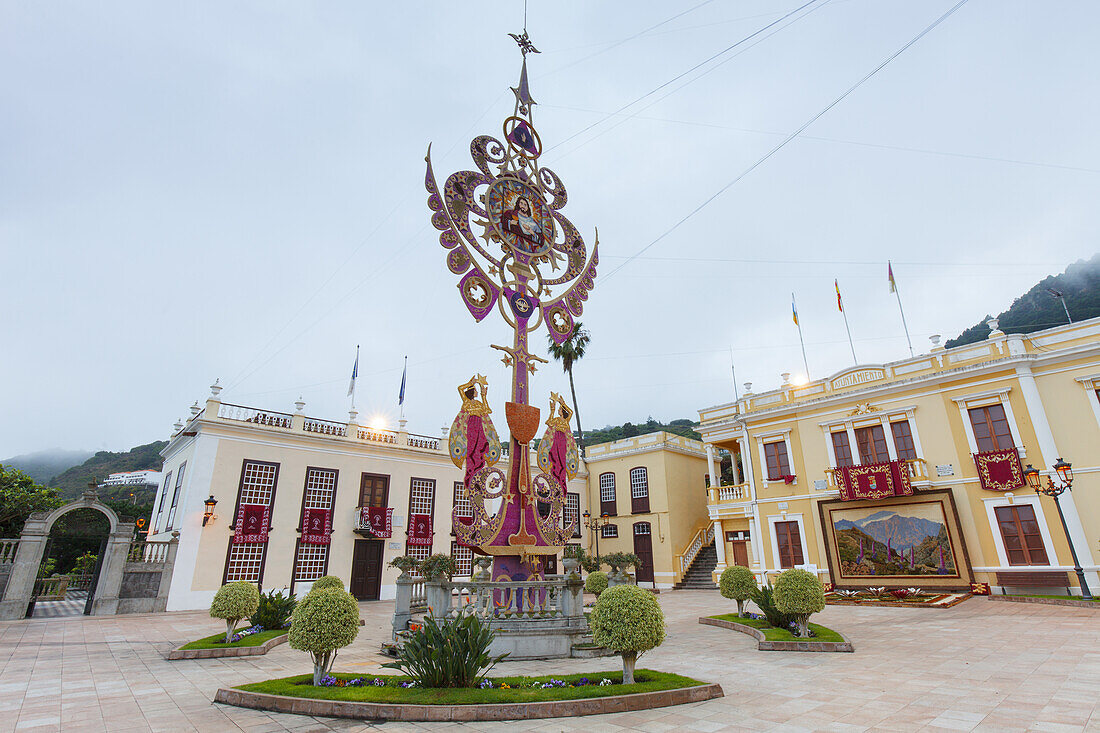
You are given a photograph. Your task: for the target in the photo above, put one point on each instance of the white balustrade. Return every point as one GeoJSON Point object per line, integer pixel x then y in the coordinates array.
{"type": "Point", "coordinates": [8, 549]}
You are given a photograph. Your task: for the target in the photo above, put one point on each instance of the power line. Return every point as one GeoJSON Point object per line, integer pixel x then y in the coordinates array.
{"type": "Point", "coordinates": [792, 136]}
{"type": "Point", "coordinates": [680, 76]}
{"type": "Point", "coordinates": [840, 141]}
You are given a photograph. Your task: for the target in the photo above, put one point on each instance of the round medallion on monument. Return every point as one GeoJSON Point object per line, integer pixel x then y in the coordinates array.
{"type": "Point", "coordinates": [520, 217]}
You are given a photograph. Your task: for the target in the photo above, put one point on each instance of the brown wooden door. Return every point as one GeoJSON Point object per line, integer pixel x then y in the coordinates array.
{"type": "Point", "coordinates": [643, 548]}
{"type": "Point", "coordinates": [741, 553]}
{"type": "Point", "coordinates": [366, 570]}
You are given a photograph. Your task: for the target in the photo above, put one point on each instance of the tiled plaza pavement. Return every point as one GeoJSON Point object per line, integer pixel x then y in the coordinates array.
{"type": "Point", "coordinates": [980, 665]}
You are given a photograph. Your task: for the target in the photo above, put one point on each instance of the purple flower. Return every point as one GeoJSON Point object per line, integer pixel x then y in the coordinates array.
{"type": "Point", "coordinates": [379, 682]}
{"type": "Point", "coordinates": [328, 681]}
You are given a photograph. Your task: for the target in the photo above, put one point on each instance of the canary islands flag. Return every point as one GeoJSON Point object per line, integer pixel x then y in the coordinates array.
{"type": "Point", "coordinates": [794, 310]}
{"type": "Point", "coordinates": [890, 277]}
{"type": "Point", "coordinates": [839, 300]}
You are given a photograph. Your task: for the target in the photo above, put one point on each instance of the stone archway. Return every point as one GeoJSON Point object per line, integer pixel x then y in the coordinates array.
{"type": "Point", "coordinates": [32, 544]}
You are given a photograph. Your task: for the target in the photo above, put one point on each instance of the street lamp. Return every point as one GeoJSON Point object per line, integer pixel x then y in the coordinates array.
{"type": "Point", "coordinates": [596, 524]}
{"type": "Point", "coordinates": [1064, 470]}
{"type": "Point", "coordinates": [208, 509]}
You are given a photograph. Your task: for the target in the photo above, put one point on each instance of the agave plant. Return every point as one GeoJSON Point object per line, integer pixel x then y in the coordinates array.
{"type": "Point", "coordinates": [453, 652]}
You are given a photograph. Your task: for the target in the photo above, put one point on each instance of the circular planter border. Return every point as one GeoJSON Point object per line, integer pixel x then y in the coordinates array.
{"type": "Point", "coordinates": [782, 646]}
{"type": "Point", "coordinates": [465, 713]}
{"type": "Point", "coordinates": [226, 652]}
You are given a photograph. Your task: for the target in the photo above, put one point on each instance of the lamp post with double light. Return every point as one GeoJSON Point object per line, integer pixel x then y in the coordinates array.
{"type": "Point", "coordinates": [1064, 469]}
{"type": "Point", "coordinates": [596, 524]}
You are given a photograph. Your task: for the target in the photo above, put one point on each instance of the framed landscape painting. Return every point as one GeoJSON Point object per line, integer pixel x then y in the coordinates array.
{"type": "Point", "coordinates": [904, 541]}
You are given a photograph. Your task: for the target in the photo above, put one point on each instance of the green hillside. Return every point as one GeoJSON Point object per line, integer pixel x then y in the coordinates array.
{"type": "Point", "coordinates": [74, 481]}
{"type": "Point", "coordinates": [45, 464]}
{"type": "Point", "coordinates": [612, 433]}
{"type": "Point", "coordinates": [1038, 309]}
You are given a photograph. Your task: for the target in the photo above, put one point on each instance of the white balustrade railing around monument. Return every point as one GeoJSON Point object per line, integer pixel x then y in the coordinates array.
{"type": "Point", "coordinates": [418, 602]}
{"type": "Point", "coordinates": [504, 600]}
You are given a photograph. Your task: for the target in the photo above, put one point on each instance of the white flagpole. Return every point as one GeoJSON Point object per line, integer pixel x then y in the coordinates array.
{"type": "Point", "coordinates": [797, 322]}
{"type": "Point", "coordinates": [894, 287]}
{"type": "Point", "coordinates": [733, 370]}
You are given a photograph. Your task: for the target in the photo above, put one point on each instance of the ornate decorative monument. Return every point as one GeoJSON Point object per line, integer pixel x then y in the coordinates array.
{"type": "Point", "coordinates": [516, 253]}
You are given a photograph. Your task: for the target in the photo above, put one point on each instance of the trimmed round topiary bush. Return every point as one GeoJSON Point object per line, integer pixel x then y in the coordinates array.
{"type": "Point", "coordinates": [232, 602]}
{"type": "Point", "coordinates": [799, 593]}
{"type": "Point", "coordinates": [596, 582]}
{"type": "Point", "coordinates": [327, 581]}
{"type": "Point", "coordinates": [738, 583]}
{"type": "Point", "coordinates": [628, 621]}
{"type": "Point", "coordinates": [323, 622]}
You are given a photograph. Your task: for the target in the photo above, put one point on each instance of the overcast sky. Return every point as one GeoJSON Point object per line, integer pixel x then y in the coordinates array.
{"type": "Point", "coordinates": [193, 191]}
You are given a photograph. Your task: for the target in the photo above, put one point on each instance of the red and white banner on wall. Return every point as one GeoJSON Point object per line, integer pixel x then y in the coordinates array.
{"type": "Point", "coordinates": [252, 523]}
{"type": "Point", "coordinates": [420, 529]}
{"type": "Point", "coordinates": [379, 519]}
{"type": "Point", "coordinates": [877, 481]}
{"type": "Point", "coordinates": [1000, 470]}
{"type": "Point", "coordinates": [316, 526]}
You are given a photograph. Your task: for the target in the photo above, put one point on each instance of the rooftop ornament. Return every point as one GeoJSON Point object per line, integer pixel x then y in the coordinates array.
{"type": "Point", "coordinates": [515, 253]}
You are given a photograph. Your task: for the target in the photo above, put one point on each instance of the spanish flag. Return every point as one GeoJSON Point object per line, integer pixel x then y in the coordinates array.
{"type": "Point", "coordinates": [794, 310]}
{"type": "Point", "coordinates": [839, 301]}
{"type": "Point", "coordinates": [890, 276]}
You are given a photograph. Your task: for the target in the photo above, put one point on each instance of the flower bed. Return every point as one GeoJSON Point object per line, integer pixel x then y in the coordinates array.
{"type": "Point", "coordinates": [393, 697]}
{"type": "Point", "coordinates": [252, 636]}
{"type": "Point", "coordinates": [771, 639]}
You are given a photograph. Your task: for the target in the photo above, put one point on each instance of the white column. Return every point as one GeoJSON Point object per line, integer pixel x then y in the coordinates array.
{"type": "Point", "coordinates": [891, 449]}
{"type": "Point", "coordinates": [710, 465]}
{"type": "Point", "coordinates": [750, 479]}
{"type": "Point", "coordinates": [853, 446]}
{"type": "Point", "coordinates": [1049, 451]}
{"type": "Point", "coordinates": [720, 545]}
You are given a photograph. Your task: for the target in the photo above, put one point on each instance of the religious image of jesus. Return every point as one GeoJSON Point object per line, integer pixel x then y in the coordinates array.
{"type": "Point", "coordinates": [521, 222]}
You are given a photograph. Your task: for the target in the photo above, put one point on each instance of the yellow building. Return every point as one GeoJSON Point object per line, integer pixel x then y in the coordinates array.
{"type": "Point", "coordinates": [651, 491]}
{"type": "Point", "coordinates": [910, 473]}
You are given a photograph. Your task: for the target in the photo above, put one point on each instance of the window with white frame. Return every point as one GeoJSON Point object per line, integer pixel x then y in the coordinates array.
{"type": "Point", "coordinates": [176, 494]}
{"type": "Point", "coordinates": [311, 562]}
{"type": "Point", "coordinates": [639, 490]}
{"type": "Point", "coordinates": [609, 530]}
{"type": "Point", "coordinates": [163, 498]}
{"type": "Point", "coordinates": [245, 561]}
{"type": "Point", "coordinates": [320, 488]}
{"type": "Point", "coordinates": [420, 552]}
{"type": "Point", "coordinates": [573, 512]}
{"type": "Point", "coordinates": [463, 507]}
{"type": "Point", "coordinates": [464, 559]}
{"type": "Point", "coordinates": [421, 501]}
{"type": "Point", "coordinates": [607, 493]}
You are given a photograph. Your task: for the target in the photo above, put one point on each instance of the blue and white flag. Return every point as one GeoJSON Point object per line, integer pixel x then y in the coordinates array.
{"type": "Point", "coordinates": [354, 373]}
{"type": "Point", "coordinates": [404, 373]}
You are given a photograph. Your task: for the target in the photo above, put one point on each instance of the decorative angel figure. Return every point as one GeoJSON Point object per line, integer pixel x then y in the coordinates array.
{"type": "Point", "coordinates": [473, 439]}
{"type": "Point", "coordinates": [558, 455]}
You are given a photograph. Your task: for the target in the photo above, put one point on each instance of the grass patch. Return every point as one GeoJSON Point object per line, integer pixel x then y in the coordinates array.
{"type": "Point", "coordinates": [771, 633]}
{"type": "Point", "coordinates": [1060, 598]}
{"type": "Point", "coordinates": [646, 680]}
{"type": "Point", "coordinates": [211, 642]}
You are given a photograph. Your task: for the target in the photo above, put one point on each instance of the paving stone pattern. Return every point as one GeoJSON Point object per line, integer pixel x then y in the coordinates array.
{"type": "Point", "coordinates": [978, 666]}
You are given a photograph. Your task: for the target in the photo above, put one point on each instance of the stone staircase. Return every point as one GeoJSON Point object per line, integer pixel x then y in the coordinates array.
{"type": "Point", "coordinates": [698, 576]}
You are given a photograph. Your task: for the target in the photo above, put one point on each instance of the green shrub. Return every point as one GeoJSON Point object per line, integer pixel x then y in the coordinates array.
{"type": "Point", "coordinates": [799, 593]}
{"type": "Point", "coordinates": [326, 582]}
{"type": "Point", "coordinates": [274, 610]}
{"type": "Point", "coordinates": [764, 599]}
{"type": "Point", "coordinates": [405, 563]}
{"type": "Point", "coordinates": [234, 601]}
{"type": "Point", "coordinates": [596, 582]}
{"type": "Point", "coordinates": [628, 621]}
{"type": "Point", "coordinates": [453, 652]}
{"type": "Point", "coordinates": [620, 561]}
{"type": "Point", "coordinates": [738, 583]}
{"type": "Point", "coordinates": [437, 567]}
{"type": "Point", "coordinates": [326, 620]}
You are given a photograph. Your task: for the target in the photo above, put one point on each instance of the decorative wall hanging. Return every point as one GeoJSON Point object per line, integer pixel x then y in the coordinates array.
{"type": "Point", "coordinates": [1000, 470]}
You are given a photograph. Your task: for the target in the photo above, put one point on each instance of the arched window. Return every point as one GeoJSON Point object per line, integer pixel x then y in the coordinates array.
{"type": "Point", "coordinates": [639, 490]}
{"type": "Point", "coordinates": [607, 493]}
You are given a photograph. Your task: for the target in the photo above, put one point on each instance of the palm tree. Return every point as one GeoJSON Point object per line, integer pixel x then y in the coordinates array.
{"type": "Point", "coordinates": [569, 352]}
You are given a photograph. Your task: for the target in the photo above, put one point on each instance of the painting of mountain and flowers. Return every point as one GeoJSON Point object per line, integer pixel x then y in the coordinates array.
{"type": "Point", "coordinates": [897, 541]}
